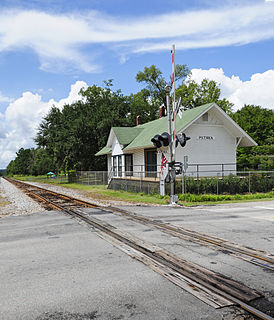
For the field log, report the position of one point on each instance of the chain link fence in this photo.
(195, 182)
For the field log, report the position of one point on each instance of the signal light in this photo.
(162, 140)
(165, 138)
(156, 141)
(182, 139)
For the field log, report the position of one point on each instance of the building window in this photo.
(205, 116)
(117, 166)
(129, 164)
(120, 166)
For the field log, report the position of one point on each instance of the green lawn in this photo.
(100, 192)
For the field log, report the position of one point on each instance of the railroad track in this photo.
(254, 256)
(212, 288)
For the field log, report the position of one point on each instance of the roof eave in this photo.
(249, 142)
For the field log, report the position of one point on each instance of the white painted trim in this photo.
(110, 138)
(200, 115)
(234, 123)
(207, 125)
(238, 141)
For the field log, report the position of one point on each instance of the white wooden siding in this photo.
(219, 150)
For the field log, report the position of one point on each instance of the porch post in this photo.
(123, 166)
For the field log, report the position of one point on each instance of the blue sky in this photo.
(50, 49)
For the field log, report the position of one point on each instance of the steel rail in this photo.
(143, 250)
(176, 231)
(203, 237)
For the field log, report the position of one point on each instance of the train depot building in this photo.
(211, 150)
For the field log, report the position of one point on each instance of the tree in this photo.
(74, 135)
(22, 163)
(43, 162)
(51, 136)
(194, 95)
(140, 105)
(257, 122)
(191, 93)
(11, 168)
(155, 82)
(259, 157)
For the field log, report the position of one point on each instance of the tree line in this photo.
(68, 139)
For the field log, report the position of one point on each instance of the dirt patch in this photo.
(3, 202)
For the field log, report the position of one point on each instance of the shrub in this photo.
(256, 182)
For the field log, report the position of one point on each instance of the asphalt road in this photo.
(52, 267)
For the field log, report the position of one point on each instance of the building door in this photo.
(129, 164)
(151, 162)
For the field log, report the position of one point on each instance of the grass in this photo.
(226, 198)
(100, 192)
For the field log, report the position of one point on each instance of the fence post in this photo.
(183, 182)
(217, 183)
(141, 177)
(185, 186)
(249, 181)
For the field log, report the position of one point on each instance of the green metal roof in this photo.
(138, 137)
(103, 151)
(159, 126)
(125, 135)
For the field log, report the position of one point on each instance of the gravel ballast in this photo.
(18, 202)
(22, 204)
(88, 196)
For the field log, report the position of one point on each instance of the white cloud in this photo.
(19, 123)
(4, 99)
(60, 40)
(258, 90)
(73, 94)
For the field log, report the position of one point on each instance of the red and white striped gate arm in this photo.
(173, 102)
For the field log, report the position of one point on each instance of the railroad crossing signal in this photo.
(182, 139)
(164, 140)
(161, 140)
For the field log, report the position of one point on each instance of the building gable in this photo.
(131, 138)
(161, 125)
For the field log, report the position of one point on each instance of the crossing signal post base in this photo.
(173, 200)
